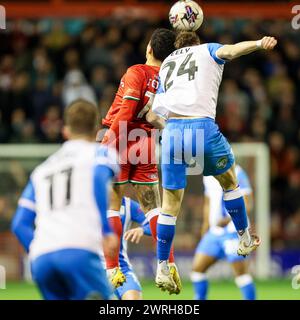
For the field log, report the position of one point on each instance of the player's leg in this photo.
(199, 279)
(131, 289)
(219, 162)
(49, 281)
(166, 225)
(144, 178)
(239, 265)
(112, 263)
(149, 198)
(173, 183)
(243, 279)
(84, 275)
(207, 253)
(235, 206)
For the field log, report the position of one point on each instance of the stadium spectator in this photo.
(75, 87)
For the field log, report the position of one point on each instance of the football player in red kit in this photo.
(131, 129)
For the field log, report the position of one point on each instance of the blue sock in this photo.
(247, 286)
(165, 234)
(200, 284)
(235, 206)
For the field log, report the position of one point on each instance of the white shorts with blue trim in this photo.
(220, 246)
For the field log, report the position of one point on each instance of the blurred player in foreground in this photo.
(219, 238)
(130, 212)
(190, 79)
(131, 130)
(61, 218)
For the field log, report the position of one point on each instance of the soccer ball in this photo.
(186, 15)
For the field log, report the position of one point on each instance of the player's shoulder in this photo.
(45, 165)
(137, 68)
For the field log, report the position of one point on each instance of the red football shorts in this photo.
(138, 162)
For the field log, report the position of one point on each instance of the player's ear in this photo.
(149, 49)
(66, 132)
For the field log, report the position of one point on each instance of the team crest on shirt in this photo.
(221, 163)
(153, 176)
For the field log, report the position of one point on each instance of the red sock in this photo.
(153, 225)
(116, 225)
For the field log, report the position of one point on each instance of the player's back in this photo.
(190, 79)
(139, 83)
(66, 211)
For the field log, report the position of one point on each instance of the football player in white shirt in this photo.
(220, 240)
(61, 219)
(189, 82)
(130, 212)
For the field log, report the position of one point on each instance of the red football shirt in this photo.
(133, 98)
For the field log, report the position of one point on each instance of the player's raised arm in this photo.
(232, 51)
(133, 88)
(23, 221)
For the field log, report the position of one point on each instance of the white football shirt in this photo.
(189, 82)
(67, 215)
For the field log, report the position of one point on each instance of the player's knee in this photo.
(148, 197)
(170, 209)
(228, 180)
(197, 266)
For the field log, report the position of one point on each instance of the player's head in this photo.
(161, 44)
(186, 39)
(81, 120)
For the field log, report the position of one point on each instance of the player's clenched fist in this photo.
(268, 43)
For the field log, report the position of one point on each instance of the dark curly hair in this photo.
(186, 39)
(162, 43)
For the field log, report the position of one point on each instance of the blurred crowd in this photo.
(48, 63)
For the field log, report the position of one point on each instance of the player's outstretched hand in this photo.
(111, 245)
(268, 43)
(134, 235)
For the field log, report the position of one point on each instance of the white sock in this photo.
(163, 266)
(244, 235)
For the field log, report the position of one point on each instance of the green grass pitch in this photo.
(222, 290)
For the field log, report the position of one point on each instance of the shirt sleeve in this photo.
(138, 216)
(102, 179)
(108, 157)
(23, 222)
(133, 91)
(134, 84)
(136, 213)
(212, 49)
(27, 199)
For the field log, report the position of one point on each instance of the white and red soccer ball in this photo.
(186, 15)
